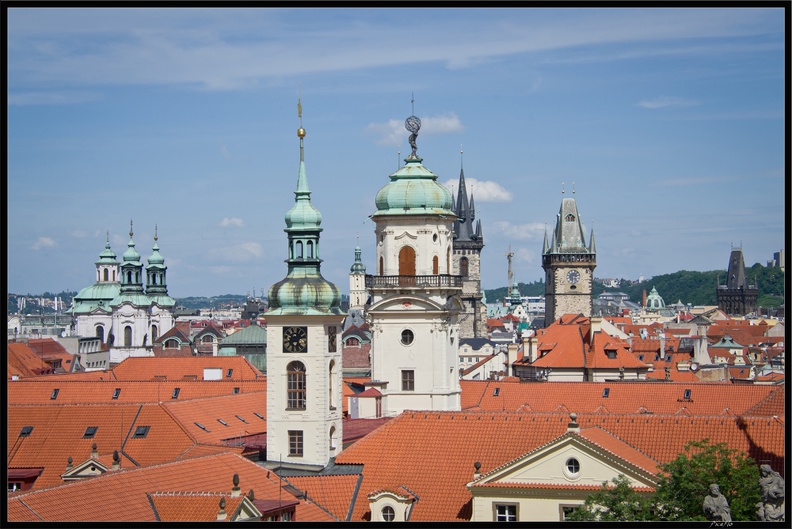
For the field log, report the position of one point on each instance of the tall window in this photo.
(295, 392)
(333, 438)
(435, 265)
(100, 332)
(105, 274)
(407, 261)
(295, 443)
(381, 268)
(330, 384)
(505, 513)
(299, 250)
(408, 380)
(309, 250)
(153, 333)
(463, 267)
(128, 336)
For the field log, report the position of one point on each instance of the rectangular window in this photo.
(116, 393)
(54, 394)
(25, 432)
(175, 394)
(408, 380)
(140, 432)
(236, 390)
(295, 443)
(605, 393)
(505, 513)
(90, 432)
(228, 374)
(565, 511)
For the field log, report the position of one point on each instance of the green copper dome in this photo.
(413, 190)
(357, 267)
(107, 256)
(131, 255)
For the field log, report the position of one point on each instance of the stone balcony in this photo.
(399, 282)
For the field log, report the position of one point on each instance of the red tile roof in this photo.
(192, 506)
(136, 368)
(123, 496)
(237, 413)
(707, 398)
(335, 493)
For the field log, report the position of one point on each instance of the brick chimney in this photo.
(643, 298)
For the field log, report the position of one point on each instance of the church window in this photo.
(296, 386)
(105, 274)
(295, 442)
(407, 337)
(128, 336)
(309, 250)
(100, 332)
(463, 267)
(435, 265)
(408, 380)
(333, 438)
(388, 514)
(381, 268)
(154, 331)
(299, 250)
(114, 275)
(331, 384)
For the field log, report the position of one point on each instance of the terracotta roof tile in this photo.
(334, 493)
(146, 368)
(192, 506)
(619, 448)
(236, 411)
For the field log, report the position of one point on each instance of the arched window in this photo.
(333, 438)
(105, 274)
(388, 514)
(295, 388)
(330, 386)
(407, 261)
(128, 336)
(129, 276)
(569, 218)
(435, 265)
(309, 250)
(114, 275)
(153, 333)
(299, 250)
(172, 344)
(207, 338)
(100, 332)
(463, 267)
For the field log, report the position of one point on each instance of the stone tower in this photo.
(569, 265)
(737, 297)
(304, 319)
(468, 242)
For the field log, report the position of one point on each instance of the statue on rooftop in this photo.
(716, 507)
(772, 485)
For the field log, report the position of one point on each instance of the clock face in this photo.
(295, 339)
(573, 276)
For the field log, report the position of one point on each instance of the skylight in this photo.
(221, 421)
(90, 432)
(116, 393)
(260, 416)
(687, 394)
(25, 432)
(236, 390)
(54, 394)
(228, 374)
(241, 419)
(605, 393)
(201, 426)
(140, 432)
(175, 393)
(496, 392)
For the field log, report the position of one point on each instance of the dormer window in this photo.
(687, 394)
(610, 353)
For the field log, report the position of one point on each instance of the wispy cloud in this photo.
(483, 190)
(43, 242)
(232, 221)
(666, 102)
(392, 131)
(531, 231)
(241, 253)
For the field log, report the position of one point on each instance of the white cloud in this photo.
(43, 242)
(532, 231)
(232, 221)
(666, 101)
(78, 234)
(241, 253)
(482, 190)
(393, 132)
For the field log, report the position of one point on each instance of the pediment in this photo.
(405, 303)
(553, 464)
(406, 234)
(86, 469)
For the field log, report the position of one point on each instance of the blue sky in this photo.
(670, 123)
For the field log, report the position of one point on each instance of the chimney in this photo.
(236, 491)
(221, 514)
(477, 472)
(116, 462)
(94, 451)
(643, 298)
(573, 426)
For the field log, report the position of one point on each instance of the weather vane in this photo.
(413, 124)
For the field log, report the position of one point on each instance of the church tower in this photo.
(161, 313)
(737, 297)
(357, 283)
(303, 352)
(468, 242)
(92, 304)
(569, 265)
(415, 295)
(130, 309)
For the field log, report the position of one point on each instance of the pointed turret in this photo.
(156, 284)
(131, 277)
(592, 246)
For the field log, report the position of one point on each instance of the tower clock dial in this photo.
(573, 276)
(295, 339)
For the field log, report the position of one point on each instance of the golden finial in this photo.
(301, 130)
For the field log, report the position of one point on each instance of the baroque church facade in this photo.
(117, 308)
(568, 262)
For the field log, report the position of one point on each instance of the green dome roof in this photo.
(95, 296)
(107, 256)
(413, 190)
(304, 296)
(357, 267)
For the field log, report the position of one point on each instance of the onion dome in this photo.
(357, 267)
(155, 258)
(303, 291)
(131, 255)
(107, 256)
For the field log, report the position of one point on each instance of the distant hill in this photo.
(697, 288)
(214, 302)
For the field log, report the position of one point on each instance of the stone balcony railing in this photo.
(430, 281)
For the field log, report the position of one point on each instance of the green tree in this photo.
(614, 503)
(685, 482)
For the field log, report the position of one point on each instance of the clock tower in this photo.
(569, 265)
(304, 319)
